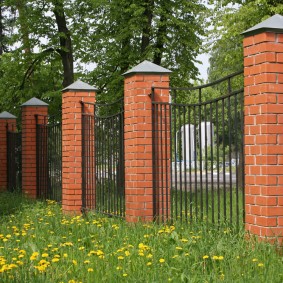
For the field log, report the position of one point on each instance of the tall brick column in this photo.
(138, 138)
(7, 122)
(72, 143)
(263, 71)
(30, 109)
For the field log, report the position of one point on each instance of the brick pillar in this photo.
(30, 109)
(72, 143)
(138, 138)
(263, 71)
(7, 122)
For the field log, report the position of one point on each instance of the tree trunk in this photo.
(66, 51)
(148, 15)
(159, 46)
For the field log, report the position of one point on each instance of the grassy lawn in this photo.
(40, 244)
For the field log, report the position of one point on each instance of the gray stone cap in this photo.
(79, 86)
(148, 67)
(274, 23)
(34, 102)
(7, 115)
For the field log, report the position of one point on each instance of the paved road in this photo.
(182, 177)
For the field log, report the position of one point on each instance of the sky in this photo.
(204, 66)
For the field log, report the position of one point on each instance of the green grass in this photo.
(40, 244)
(213, 206)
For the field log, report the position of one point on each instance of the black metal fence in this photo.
(49, 158)
(14, 160)
(103, 158)
(198, 152)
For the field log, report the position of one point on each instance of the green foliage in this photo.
(40, 244)
(229, 19)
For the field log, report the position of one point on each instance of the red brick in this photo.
(265, 37)
(266, 159)
(248, 41)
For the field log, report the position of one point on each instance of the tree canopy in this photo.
(46, 44)
(229, 19)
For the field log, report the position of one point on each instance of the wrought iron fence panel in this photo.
(14, 160)
(49, 159)
(198, 153)
(103, 158)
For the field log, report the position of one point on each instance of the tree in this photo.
(48, 36)
(230, 19)
(165, 32)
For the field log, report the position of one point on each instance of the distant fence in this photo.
(103, 158)
(14, 161)
(49, 158)
(201, 141)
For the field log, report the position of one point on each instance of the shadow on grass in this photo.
(11, 203)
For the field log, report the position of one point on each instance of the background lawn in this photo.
(40, 244)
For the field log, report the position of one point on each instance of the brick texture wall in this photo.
(29, 147)
(138, 143)
(72, 148)
(11, 124)
(263, 71)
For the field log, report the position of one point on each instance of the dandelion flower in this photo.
(260, 264)
(205, 257)
(162, 260)
(90, 270)
(149, 263)
(125, 274)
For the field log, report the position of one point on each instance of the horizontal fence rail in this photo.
(14, 160)
(198, 152)
(49, 158)
(103, 158)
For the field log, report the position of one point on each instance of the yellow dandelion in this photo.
(55, 259)
(125, 274)
(45, 255)
(120, 257)
(149, 263)
(255, 259)
(260, 264)
(179, 248)
(118, 267)
(87, 261)
(74, 262)
(90, 270)
(161, 260)
(205, 257)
